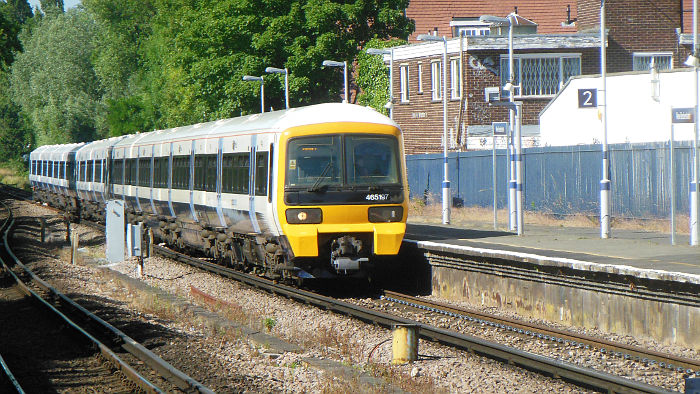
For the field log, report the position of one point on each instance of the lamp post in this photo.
(375, 51)
(694, 60)
(445, 179)
(510, 85)
(605, 181)
(344, 65)
(262, 89)
(275, 70)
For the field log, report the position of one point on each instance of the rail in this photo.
(578, 375)
(172, 374)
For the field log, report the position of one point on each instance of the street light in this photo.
(510, 88)
(605, 181)
(275, 70)
(262, 89)
(375, 51)
(445, 179)
(694, 61)
(344, 65)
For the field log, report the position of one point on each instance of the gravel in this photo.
(226, 361)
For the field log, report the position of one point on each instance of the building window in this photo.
(435, 80)
(420, 77)
(469, 27)
(642, 61)
(540, 74)
(455, 79)
(403, 83)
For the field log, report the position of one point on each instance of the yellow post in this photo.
(405, 344)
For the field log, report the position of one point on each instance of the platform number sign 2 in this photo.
(588, 98)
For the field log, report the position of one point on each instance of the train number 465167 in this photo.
(377, 197)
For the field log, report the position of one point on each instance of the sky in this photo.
(66, 3)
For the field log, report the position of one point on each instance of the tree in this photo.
(53, 79)
(200, 49)
(19, 10)
(372, 76)
(52, 7)
(123, 27)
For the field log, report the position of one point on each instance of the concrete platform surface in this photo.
(627, 252)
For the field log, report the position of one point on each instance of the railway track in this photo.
(516, 327)
(581, 376)
(107, 342)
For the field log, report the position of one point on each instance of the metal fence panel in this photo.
(564, 180)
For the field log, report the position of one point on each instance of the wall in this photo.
(633, 116)
(563, 179)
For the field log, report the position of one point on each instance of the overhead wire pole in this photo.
(445, 179)
(512, 185)
(694, 203)
(605, 181)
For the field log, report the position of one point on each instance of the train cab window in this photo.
(261, 173)
(235, 173)
(314, 162)
(371, 160)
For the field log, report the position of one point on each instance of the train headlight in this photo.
(385, 214)
(304, 215)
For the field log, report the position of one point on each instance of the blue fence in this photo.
(564, 180)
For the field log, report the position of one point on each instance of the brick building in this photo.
(566, 42)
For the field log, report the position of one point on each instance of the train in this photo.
(312, 192)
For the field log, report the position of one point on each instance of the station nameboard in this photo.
(682, 115)
(500, 128)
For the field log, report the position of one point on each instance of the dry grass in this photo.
(13, 177)
(482, 217)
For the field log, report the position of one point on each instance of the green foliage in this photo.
(269, 323)
(11, 19)
(127, 115)
(15, 135)
(53, 79)
(373, 76)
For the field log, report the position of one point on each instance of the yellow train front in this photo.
(342, 201)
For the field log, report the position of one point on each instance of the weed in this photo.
(269, 323)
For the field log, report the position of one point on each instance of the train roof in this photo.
(97, 149)
(273, 122)
(54, 152)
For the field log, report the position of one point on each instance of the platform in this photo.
(638, 253)
(634, 283)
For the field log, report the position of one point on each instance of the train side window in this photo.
(134, 173)
(143, 172)
(82, 171)
(156, 172)
(211, 174)
(164, 172)
(200, 166)
(98, 171)
(89, 169)
(226, 173)
(261, 173)
(71, 171)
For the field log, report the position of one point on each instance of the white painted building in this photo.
(633, 114)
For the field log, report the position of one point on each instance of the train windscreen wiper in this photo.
(315, 188)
